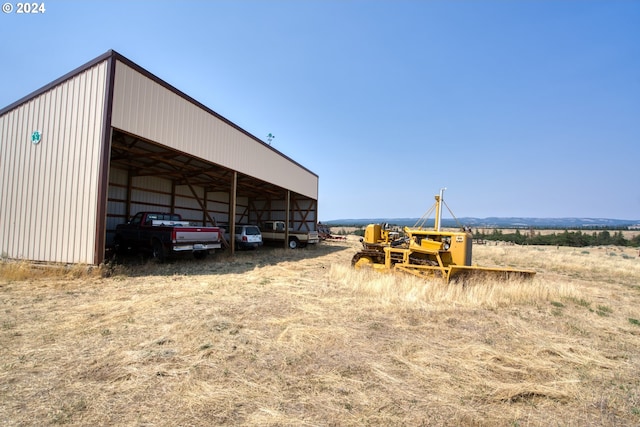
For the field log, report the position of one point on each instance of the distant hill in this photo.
(495, 222)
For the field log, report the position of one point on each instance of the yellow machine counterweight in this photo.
(426, 252)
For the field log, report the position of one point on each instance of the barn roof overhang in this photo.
(145, 158)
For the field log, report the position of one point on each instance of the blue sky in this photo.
(519, 108)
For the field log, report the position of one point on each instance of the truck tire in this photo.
(294, 243)
(157, 251)
(118, 246)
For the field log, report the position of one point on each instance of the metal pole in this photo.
(439, 210)
(232, 212)
(286, 221)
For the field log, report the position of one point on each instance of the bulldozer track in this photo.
(376, 256)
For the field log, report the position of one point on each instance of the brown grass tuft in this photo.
(18, 270)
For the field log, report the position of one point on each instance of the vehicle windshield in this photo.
(252, 231)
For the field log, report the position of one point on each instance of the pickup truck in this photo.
(165, 234)
(273, 231)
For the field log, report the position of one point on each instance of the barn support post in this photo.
(286, 219)
(232, 212)
(206, 204)
(173, 196)
(99, 250)
(129, 186)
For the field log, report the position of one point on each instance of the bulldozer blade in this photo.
(459, 273)
(462, 272)
(424, 271)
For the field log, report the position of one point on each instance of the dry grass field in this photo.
(297, 338)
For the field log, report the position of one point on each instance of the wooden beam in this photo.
(200, 202)
(286, 221)
(129, 187)
(173, 196)
(232, 211)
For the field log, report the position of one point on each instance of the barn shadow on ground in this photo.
(221, 262)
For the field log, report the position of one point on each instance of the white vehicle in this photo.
(273, 231)
(247, 237)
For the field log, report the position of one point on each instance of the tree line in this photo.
(565, 238)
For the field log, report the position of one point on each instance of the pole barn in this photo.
(109, 139)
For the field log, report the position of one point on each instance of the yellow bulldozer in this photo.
(426, 252)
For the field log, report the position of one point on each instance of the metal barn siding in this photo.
(146, 108)
(49, 190)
